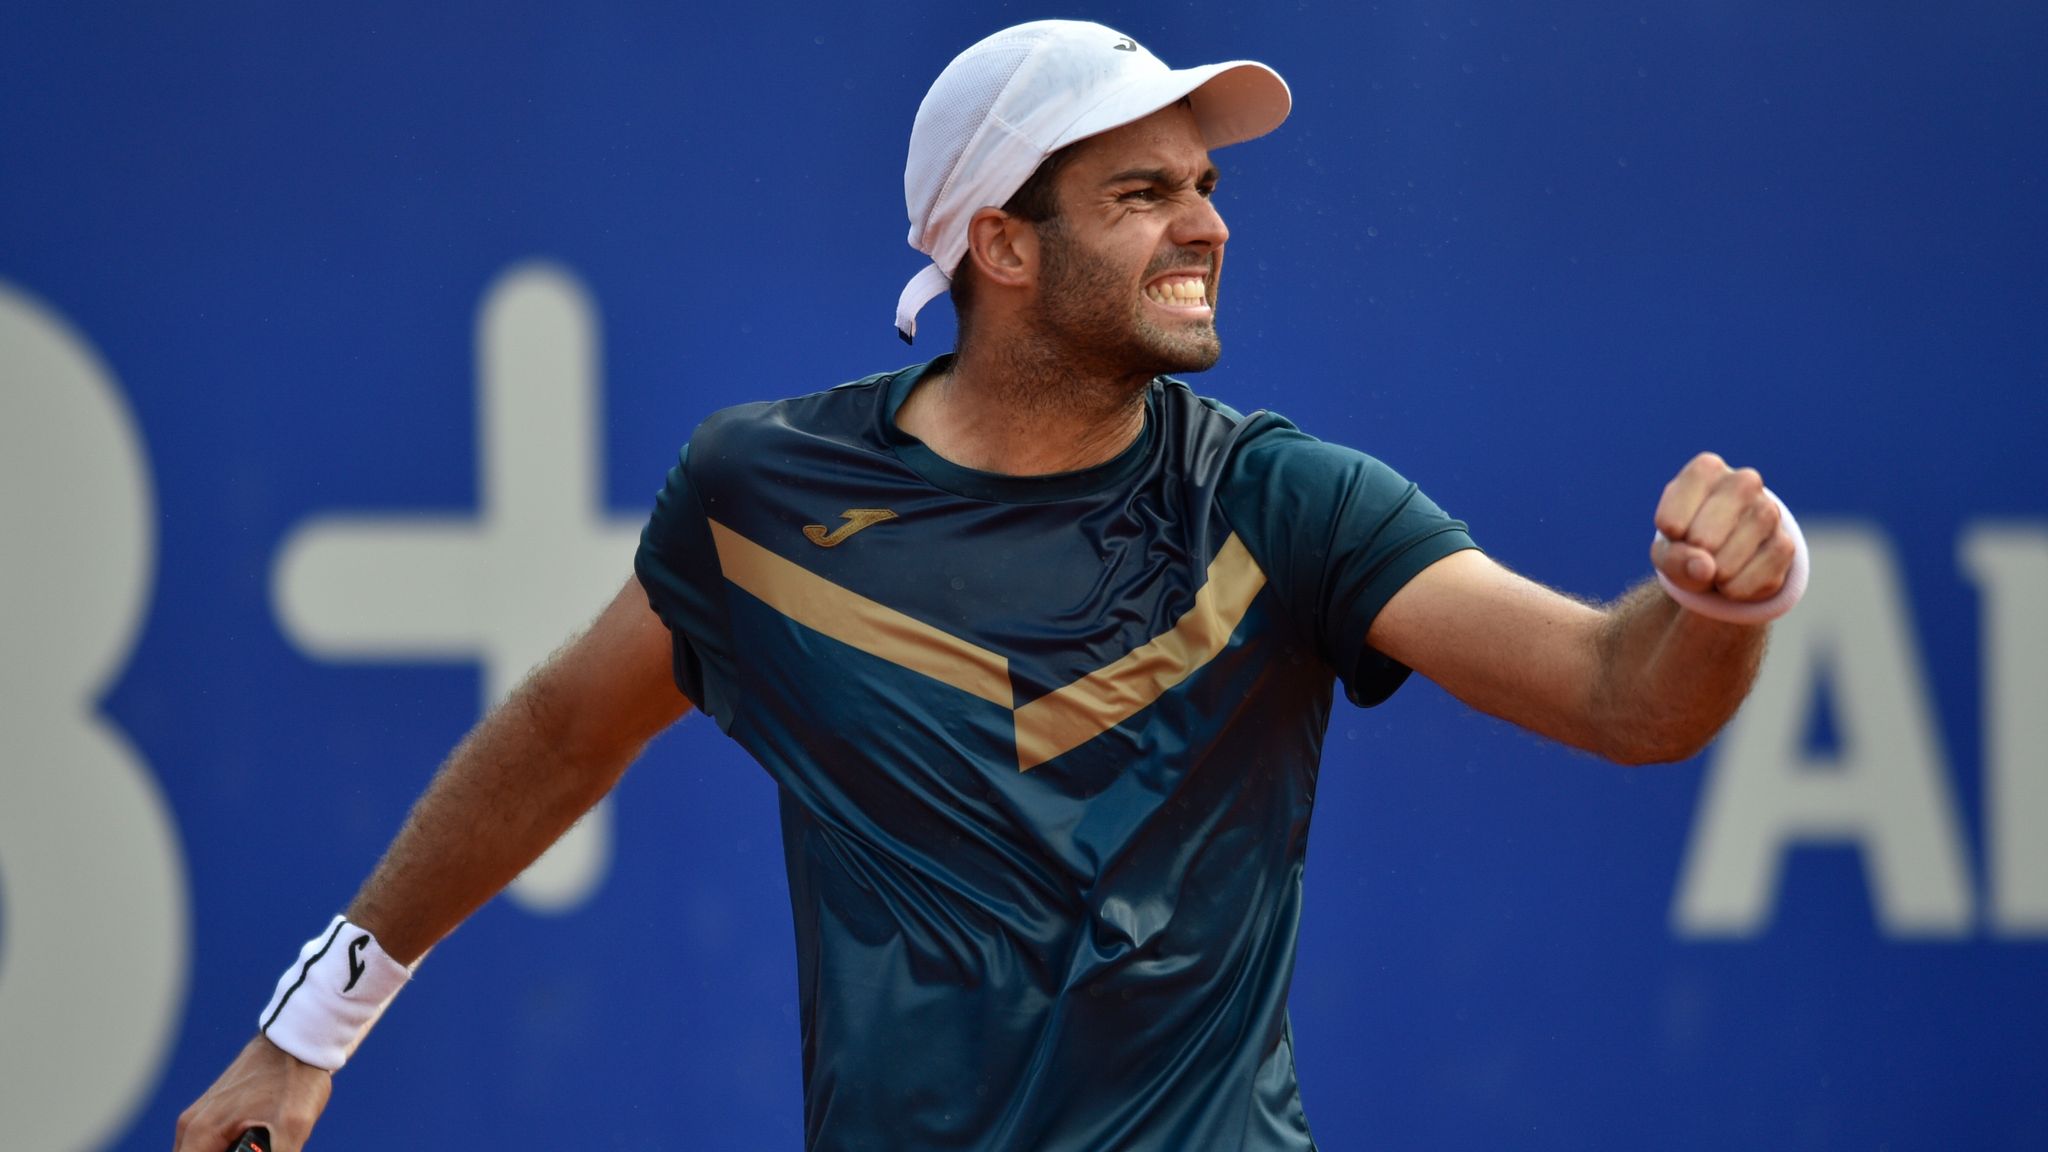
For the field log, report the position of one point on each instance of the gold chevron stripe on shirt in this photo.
(1057, 723)
(853, 619)
(1049, 726)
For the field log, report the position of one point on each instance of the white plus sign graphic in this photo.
(505, 587)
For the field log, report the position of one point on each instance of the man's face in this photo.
(1128, 267)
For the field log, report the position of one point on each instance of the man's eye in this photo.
(1205, 190)
(1146, 194)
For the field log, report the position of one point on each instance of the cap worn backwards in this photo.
(1005, 104)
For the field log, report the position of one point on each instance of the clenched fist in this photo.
(1721, 533)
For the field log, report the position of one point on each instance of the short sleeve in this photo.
(1337, 533)
(678, 567)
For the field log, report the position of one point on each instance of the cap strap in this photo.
(916, 294)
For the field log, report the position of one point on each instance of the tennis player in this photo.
(1039, 647)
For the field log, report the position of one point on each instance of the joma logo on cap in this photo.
(1125, 44)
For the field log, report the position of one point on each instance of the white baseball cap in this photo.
(1004, 105)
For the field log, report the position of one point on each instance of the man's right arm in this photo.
(523, 775)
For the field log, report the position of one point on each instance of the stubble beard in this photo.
(1088, 308)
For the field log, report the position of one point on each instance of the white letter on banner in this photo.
(96, 940)
(1885, 791)
(2009, 564)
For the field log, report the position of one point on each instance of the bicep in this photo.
(1499, 642)
(615, 684)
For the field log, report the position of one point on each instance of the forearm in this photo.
(507, 792)
(525, 774)
(1668, 679)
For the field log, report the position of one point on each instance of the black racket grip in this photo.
(253, 1140)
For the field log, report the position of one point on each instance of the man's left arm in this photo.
(1640, 680)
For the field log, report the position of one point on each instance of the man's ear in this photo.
(1004, 248)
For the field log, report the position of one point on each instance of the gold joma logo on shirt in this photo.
(856, 519)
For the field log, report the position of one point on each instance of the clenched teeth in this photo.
(1178, 292)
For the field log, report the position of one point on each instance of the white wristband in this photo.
(1718, 607)
(326, 1002)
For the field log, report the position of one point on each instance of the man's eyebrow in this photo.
(1157, 176)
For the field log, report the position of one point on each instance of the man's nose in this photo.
(1202, 226)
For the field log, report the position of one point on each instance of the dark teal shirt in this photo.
(1046, 749)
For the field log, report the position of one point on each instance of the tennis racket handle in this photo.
(253, 1140)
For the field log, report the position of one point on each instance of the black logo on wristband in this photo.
(356, 967)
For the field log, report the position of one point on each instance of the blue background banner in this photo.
(340, 359)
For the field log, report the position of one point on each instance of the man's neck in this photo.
(1011, 412)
